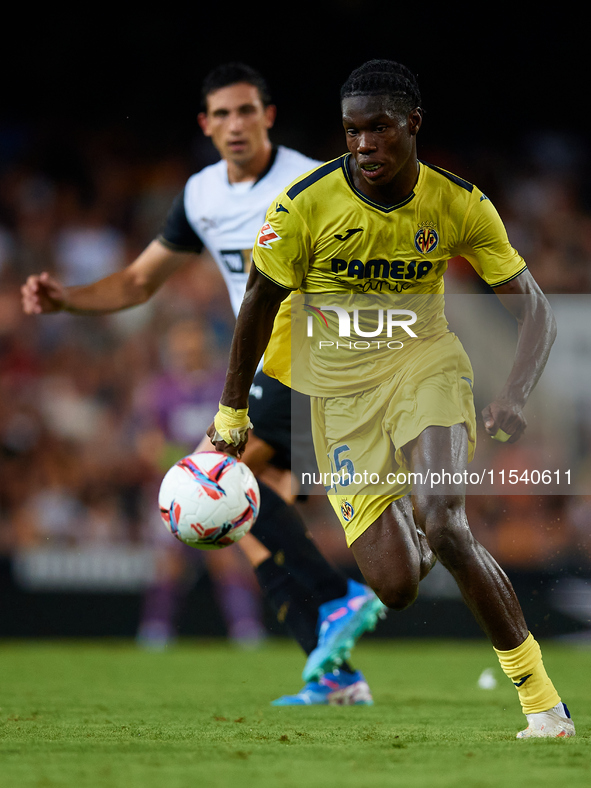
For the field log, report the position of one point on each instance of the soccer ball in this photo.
(209, 500)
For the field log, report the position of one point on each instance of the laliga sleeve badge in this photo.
(267, 236)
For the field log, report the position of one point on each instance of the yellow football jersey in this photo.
(323, 237)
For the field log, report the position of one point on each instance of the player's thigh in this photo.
(353, 449)
(434, 391)
(438, 456)
(388, 555)
(355, 458)
(439, 459)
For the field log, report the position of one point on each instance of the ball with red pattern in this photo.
(209, 500)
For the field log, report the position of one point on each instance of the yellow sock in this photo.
(526, 670)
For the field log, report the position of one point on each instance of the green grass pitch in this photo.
(94, 714)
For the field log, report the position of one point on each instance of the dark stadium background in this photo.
(102, 108)
(492, 79)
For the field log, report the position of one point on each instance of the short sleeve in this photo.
(486, 246)
(176, 233)
(282, 249)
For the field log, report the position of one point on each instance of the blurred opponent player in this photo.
(222, 208)
(388, 224)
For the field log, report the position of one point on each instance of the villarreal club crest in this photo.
(426, 238)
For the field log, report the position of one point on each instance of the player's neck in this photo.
(395, 191)
(249, 171)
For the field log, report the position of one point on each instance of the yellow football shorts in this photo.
(359, 439)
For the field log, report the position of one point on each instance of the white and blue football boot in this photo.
(555, 723)
(340, 623)
(333, 689)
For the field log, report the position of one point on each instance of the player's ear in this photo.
(203, 122)
(414, 120)
(270, 115)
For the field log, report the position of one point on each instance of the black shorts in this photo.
(273, 408)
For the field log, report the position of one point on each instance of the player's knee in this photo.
(432, 511)
(443, 519)
(398, 593)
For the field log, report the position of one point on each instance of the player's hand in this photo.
(504, 421)
(226, 448)
(229, 431)
(42, 294)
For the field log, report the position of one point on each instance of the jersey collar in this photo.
(270, 163)
(263, 173)
(380, 206)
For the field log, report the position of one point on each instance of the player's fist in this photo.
(41, 294)
(229, 431)
(221, 445)
(504, 421)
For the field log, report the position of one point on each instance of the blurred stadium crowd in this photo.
(94, 410)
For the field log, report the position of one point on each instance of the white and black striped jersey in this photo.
(225, 218)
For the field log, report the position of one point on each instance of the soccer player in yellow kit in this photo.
(222, 208)
(378, 220)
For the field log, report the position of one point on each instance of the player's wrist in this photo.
(67, 298)
(231, 425)
(511, 401)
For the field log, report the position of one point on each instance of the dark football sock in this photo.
(292, 605)
(281, 530)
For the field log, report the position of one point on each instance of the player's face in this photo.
(237, 122)
(382, 142)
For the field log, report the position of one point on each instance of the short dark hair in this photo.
(384, 78)
(230, 74)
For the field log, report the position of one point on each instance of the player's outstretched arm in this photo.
(252, 332)
(525, 300)
(133, 285)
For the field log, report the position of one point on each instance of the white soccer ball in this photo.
(209, 500)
